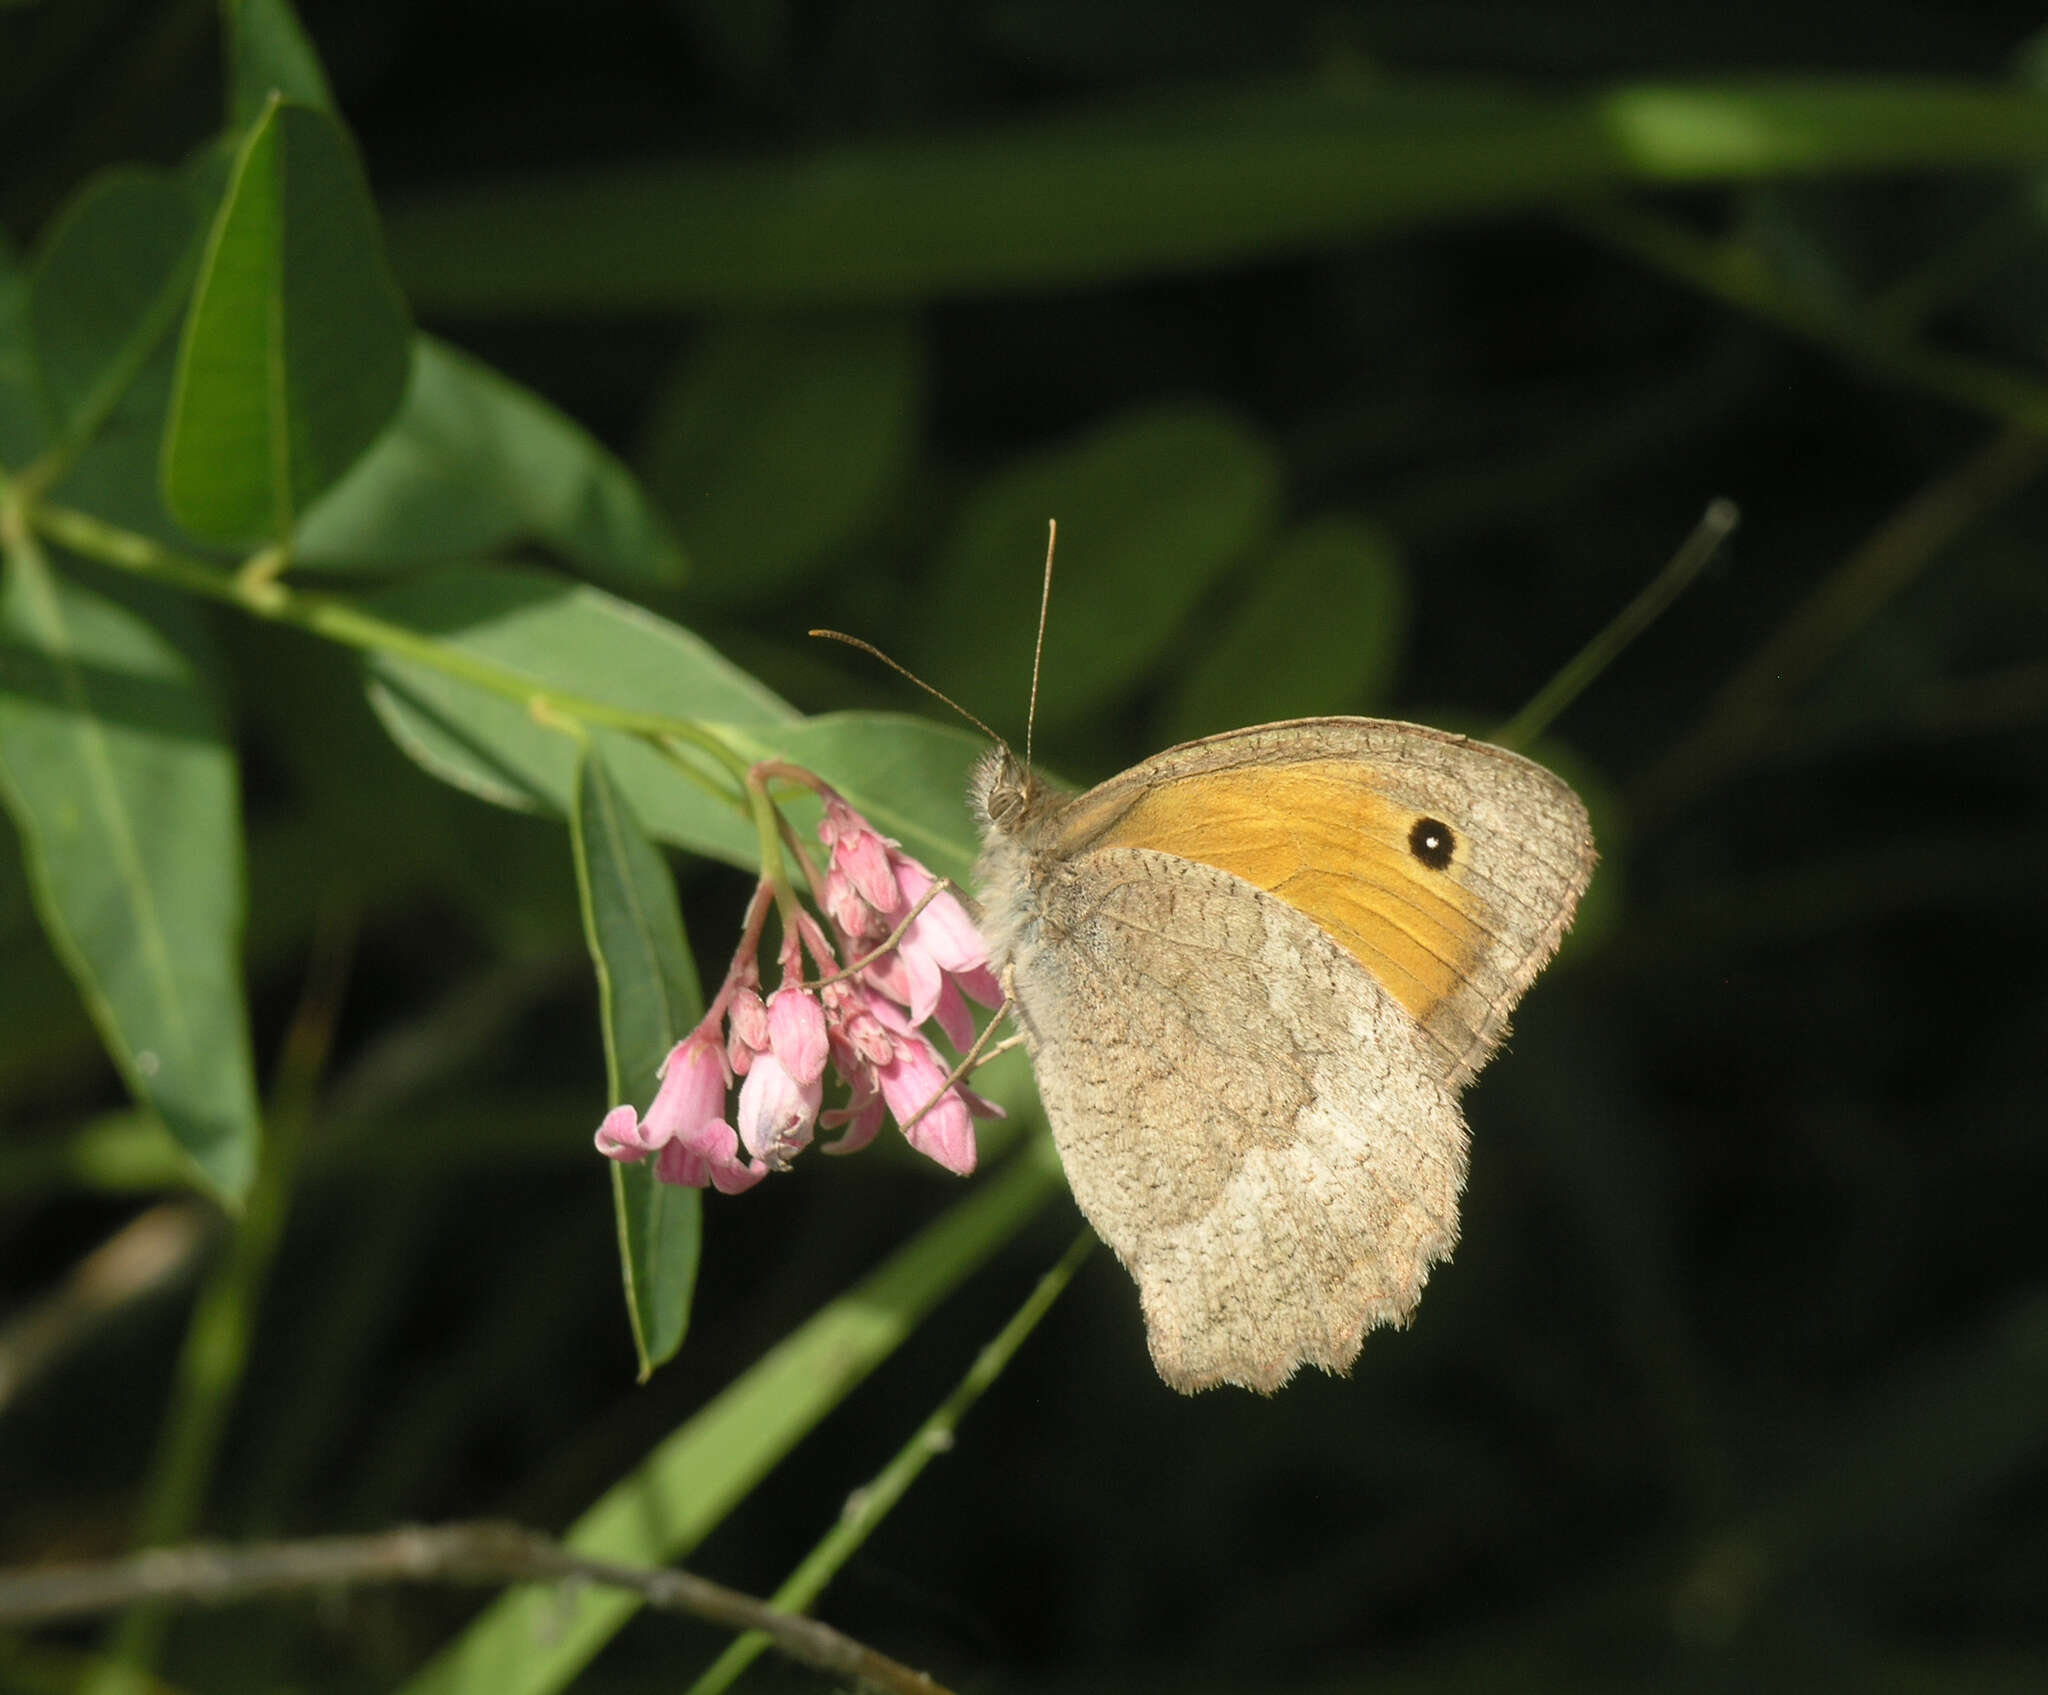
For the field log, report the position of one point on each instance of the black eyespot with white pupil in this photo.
(1431, 842)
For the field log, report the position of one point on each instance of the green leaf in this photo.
(1331, 596)
(296, 348)
(907, 775)
(473, 463)
(111, 279)
(647, 989)
(781, 438)
(535, 1639)
(1157, 186)
(561, 637)
(268, 53)
(120, 779)
(1151, 509)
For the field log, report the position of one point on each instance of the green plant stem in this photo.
(870, 1505)
(1632, 620)
(343, 622)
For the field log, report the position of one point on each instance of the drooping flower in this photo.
(711, 1154)
(907, 954)
(693, 1085)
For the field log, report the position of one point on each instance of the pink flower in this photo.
(862, 1118)
(710, 1155)
(619, 1137)
(685, 1128)
(872, 887)
(863, 1025)
(777, 1112)
(860, 889)
(693, 1085)
(890, 1063)
(911, 1082)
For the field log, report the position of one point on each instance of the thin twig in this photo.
(480, 1553)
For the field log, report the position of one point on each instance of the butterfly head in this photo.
(1004, 792)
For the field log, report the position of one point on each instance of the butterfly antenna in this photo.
(1052, 537)
(905, 671)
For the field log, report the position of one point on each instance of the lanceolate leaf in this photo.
(647, 984)
(119, 777)
(577, 640)
(296, 348)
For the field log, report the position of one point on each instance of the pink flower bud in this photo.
(856, 920)
(796, 1033)
(776, 1111)
(860, 855)
(746, 1030)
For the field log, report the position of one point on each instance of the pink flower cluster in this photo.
(906, 954)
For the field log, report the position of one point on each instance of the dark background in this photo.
(1739, 1378)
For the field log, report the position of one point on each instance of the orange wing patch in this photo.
(1321, 836)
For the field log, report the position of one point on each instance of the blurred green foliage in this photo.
(1370, 357)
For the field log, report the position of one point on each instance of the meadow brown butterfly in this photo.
(1254, 973)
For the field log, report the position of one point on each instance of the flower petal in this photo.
(796, 1033)
(693, 1085)
(618, 1137)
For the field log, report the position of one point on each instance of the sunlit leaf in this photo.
(295, 351)
(649, 998)
(545, 634)
(124, 788)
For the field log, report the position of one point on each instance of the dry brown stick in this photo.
(1749, 706)
(483, 1552)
